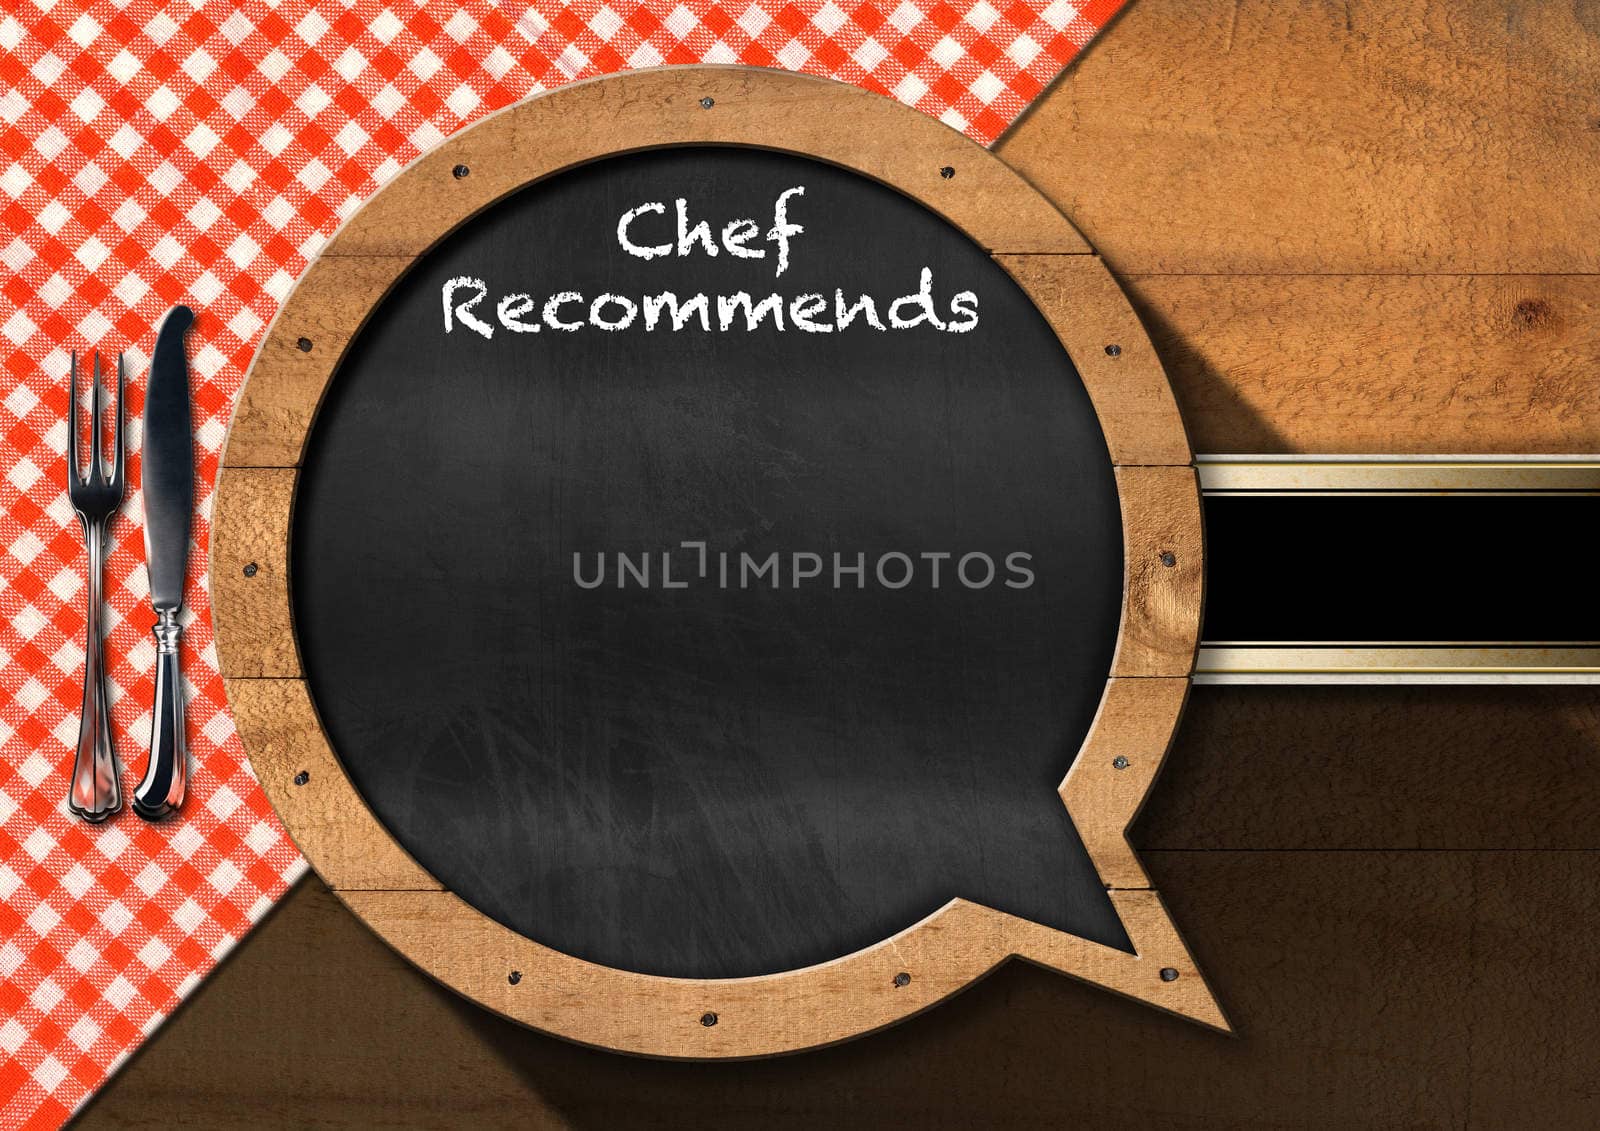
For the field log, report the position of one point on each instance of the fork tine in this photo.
(97, 467)
(73, 476)
(117, 455)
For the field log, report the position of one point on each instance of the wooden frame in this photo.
(676, 1017)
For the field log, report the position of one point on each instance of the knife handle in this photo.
(161, 792)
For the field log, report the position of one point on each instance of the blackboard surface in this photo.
(688, 774)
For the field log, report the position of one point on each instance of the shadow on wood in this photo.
(1432, 971)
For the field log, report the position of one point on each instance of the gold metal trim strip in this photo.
(1376, 662)
(1240, 663)
(1319, 474)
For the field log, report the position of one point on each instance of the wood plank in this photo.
(1161, 535)
(1112, 775)
(710, 105)
(756, 1017)
(1335, 143)
(1385, 988)
(1536, 1066)
(1552, 58)
(318, 804)
(249, 570)
(1314, 136)
(303, 345)
(1380, 364)
(1345, 768)
(1112, 352)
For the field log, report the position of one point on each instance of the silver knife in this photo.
(168, 461)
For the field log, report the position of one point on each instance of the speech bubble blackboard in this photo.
(633, 640)
(553, 651)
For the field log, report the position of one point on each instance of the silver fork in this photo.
(95, 792)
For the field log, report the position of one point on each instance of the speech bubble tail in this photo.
(1160, 971)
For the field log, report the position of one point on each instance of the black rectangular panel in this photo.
(1401, 568)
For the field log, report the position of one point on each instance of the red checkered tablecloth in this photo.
(204, 153)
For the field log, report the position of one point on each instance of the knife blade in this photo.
(167, 456)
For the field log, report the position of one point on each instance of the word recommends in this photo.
(645, 233)
(930, 569)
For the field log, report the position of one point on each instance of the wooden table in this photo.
(1352, 227)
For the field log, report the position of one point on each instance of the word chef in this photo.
(736, 234)
(646, 232)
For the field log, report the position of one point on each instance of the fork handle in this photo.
(95, 793)
(166, 777)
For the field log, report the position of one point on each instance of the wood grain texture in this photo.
(1112, 353)
(1304, 136)
(667, 1017)
(324, 312)
(1416, 989)
(1379, 213)
(1530, 978)
(1116, 768)
(1161, 522)
(1392, 364)
(1405, 768)
(308, 788)
(250, 528)
(771, 109)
